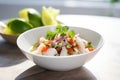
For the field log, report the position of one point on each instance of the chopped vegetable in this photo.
(90, 49)
(45, 48)
(71, 33)
(50, 35)
(71, 41)
(70, 50)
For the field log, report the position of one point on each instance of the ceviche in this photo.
(61, 42)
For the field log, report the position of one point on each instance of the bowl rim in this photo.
(101, 43)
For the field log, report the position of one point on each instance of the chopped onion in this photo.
(59, 40)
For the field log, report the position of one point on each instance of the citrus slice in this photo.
(48, 16)
(18, 26)
(54, 12)
(32, 16)
(24, 14)
(8, 31)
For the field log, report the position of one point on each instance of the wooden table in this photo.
(104, 66)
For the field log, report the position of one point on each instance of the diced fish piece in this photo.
(51, 52)
(63, 52)
(80, 44)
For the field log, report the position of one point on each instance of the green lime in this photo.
(49, 16)
(35, 19)
(24, 14)
(9, 31)
(54, 12)
(32, 16)
(18, 25)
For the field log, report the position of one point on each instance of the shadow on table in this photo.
(37, 73)
(10, 54)
(29, 72)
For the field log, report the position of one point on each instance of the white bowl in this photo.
(58, 63)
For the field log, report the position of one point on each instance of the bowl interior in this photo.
(28, 38)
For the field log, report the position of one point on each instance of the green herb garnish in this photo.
(89, 45)
(62, 30)
(71, 33)
(50, 35)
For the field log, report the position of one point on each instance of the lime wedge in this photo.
(35, 19)
(24, 14)
(32, 16)
(54, 12)
(8, 31)
(49, 16)
(18, 26)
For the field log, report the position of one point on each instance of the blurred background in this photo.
(10, 8)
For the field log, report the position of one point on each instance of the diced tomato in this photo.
(90, 49)
(71, 42)
(70, 50)
(45, 48)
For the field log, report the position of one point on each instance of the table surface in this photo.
(104, 66)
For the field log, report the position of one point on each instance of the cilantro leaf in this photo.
(50, 35)
(62, 30)
(71, 33)
(65, 29)
(58, 28)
